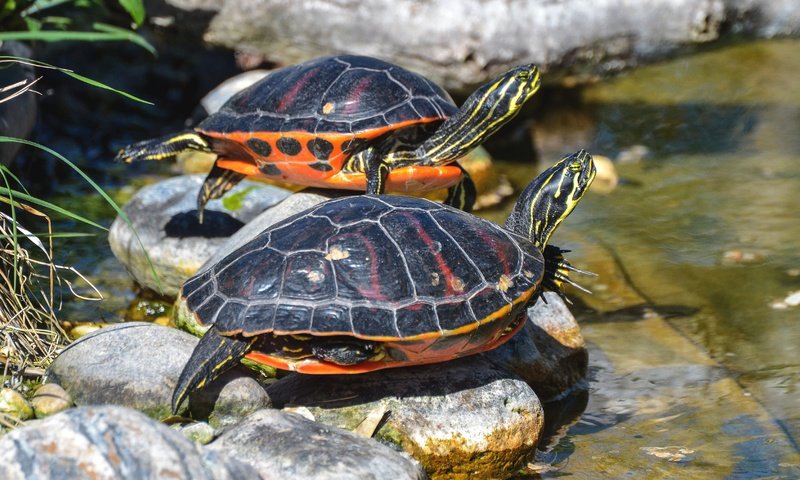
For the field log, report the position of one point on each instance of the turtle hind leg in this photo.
(218, 181)
(162, 148)
(213, 356)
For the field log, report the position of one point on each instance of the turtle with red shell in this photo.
(348, 122)
(367, 282)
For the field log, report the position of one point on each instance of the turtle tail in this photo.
(163, 148)
(213, 356)
(557, 270)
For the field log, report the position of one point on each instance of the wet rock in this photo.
(464, 43)
(286, 445)
(50, 399)
(198, 432)
(137, 365)
(14, 404)
(108, 442)
(466, 417)
(549, 352)
(164, 216)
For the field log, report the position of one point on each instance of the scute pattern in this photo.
(375, 267)
(342, 94)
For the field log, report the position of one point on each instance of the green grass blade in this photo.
(104, 34)
(109, 200)
(135, 9)
(76, 76)
(14, 195)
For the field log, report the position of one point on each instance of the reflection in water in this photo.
(708, 222)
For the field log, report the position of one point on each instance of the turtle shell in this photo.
(426, 281)
(304, 121)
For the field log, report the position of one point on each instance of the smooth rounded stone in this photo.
(286, 445)
(50, 399)
(463, 43)
(137, 365)
(165, 218)
(464, 417)
(14, 404)
(198, 432)
(549, 353)
(108, 442)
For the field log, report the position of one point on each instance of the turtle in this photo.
(347, 122)
(367, 282)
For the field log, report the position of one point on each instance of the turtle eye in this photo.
(522, 76)
(575, 167)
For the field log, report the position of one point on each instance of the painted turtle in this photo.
(368, 282)
(348, 122)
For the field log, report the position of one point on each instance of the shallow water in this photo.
(703, 380)
(710, 220)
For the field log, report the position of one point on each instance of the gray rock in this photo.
(108, 442)
(286, 445)
(137, 365)
(164, 216)
(549, 353)
(463, 43)
(464, 417)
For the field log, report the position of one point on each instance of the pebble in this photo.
(50, 399)
(14, 404)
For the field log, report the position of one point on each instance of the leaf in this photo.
(135, 9)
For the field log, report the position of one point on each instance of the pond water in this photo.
(695, 362)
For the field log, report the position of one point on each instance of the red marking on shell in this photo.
(353, 102)
(289, 97)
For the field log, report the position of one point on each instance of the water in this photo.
(709, 221)
(694, 370)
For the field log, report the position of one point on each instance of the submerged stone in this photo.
(459, 418)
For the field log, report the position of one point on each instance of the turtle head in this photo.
(544, 204)
(483, 113)
(498, 101)
(551, 197)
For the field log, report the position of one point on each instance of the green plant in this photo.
(72, 20)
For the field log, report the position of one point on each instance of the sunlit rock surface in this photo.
(285, 445)
(109, 442)
(164, 216)
(465, 43)
(137, 365)
(465, 417)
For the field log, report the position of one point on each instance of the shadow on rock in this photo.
(215, 225)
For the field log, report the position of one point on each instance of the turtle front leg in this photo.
(376, 171)
(462, 195)
(217, 183)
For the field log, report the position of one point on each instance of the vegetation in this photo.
(31, 280)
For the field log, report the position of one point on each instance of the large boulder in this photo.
(463, 43)
(465, 417)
